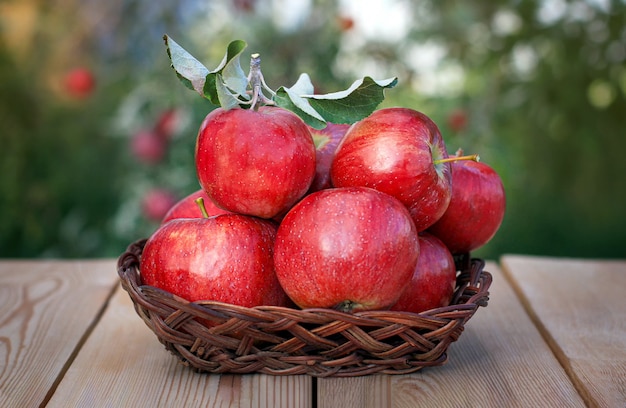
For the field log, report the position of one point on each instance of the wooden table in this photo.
(553, 335)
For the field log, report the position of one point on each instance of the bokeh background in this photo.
(97, 133)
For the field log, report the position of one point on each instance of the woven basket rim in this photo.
(319, 342)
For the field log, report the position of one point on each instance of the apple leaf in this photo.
(291, 99)
(348, 106)
(189, 70)
(223, 86)
(228, 86)
(227, 83)
(223, 95)
(353, 104)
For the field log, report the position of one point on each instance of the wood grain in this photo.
(579, 305)
(552, 335)
(124, 365)
(500, 360)
(45, 311)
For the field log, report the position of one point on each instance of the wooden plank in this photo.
(124, 365)
(500, 360)
(579, 307)
(46, 308)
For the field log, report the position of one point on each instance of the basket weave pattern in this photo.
(318, 342)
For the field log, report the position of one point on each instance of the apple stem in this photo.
(257, 83)
(473, 157)
(200, 202)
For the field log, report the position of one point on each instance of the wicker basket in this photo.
(318, 342)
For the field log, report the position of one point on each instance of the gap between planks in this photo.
(79, 345)
(558, 352)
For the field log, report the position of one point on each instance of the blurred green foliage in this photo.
(537, 88)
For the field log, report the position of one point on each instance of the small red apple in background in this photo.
(326, 142)
(188, 207)
(345, 23)
(246, 6)
(148, 147)
(434, 278)
(398, 151)
(255, 162)
(350, 248)
(457, 120)
(157, 202)
(79, 82)
(226, 258)
(476, 209)
(166, 123)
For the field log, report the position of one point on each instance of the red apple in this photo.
(79, 82)
(457, 120)
(187, 207)
(434, 278)
(476, 208)
(226, 258)
(157, 202)
(350, 248)
(397, 151)
(326, 142)
(346, 23)
(148, 147)
(167, 123)
(246, 6)
(255, 162)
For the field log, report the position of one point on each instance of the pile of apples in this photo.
(355, 217)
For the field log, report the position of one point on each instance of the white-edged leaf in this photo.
(190, 71)
(223, 85)
(353, 104)
(227, 78)
(384, 83)
(227, 86)
(302, 85)
(227, 99)
(291, 99)
(233, 75)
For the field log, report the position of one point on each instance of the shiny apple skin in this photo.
(434, 278)
(326, 142)
(393, 150)
(255, 162)
(187, 207)
(476, 208)
(226, 258)
(350, 249)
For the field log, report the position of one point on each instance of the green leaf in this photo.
(349, 106)
(233, 74)
(291, 99)
(226, 99)
(188, 69)
(353, 104)
(226, 85)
